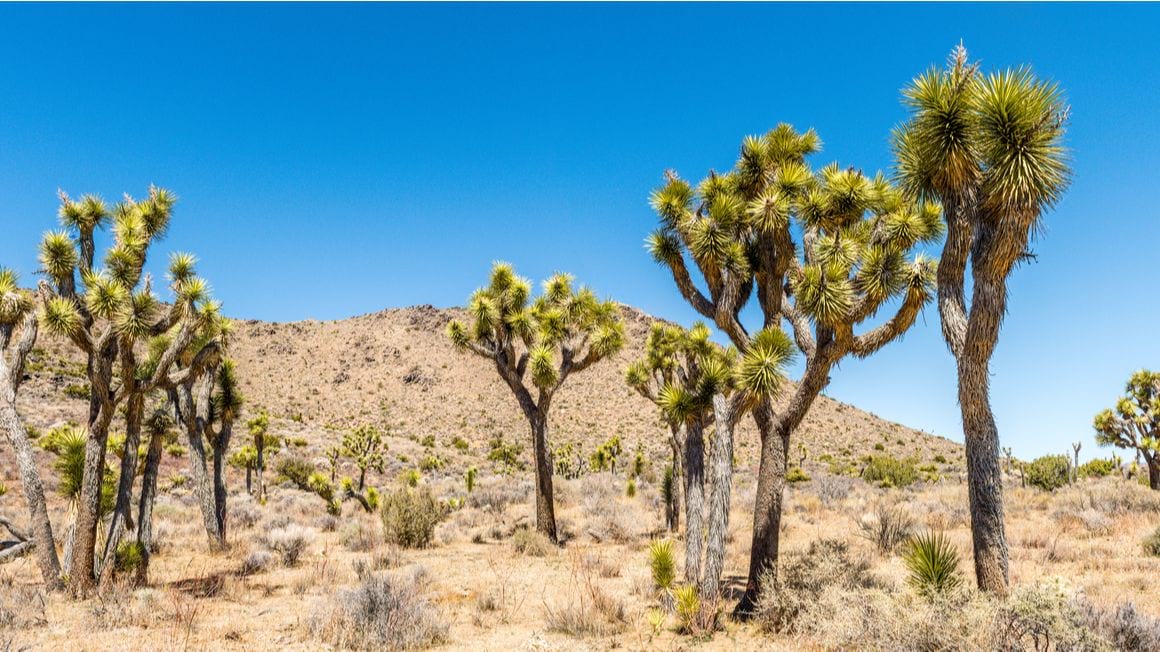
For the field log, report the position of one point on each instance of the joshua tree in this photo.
(364, 445)
(670, 376)
(1075, 467)
(265, 445)
(17, 311)
(104, 315)
(157, 426)
(990, 149)
(246, 459)
(736, 229)
(536, 345)
(1135, 422)
(1009, 455)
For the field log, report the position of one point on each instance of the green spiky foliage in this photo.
(105, 307)
(822, 251)
(536, 344)
(933, 563)
(1134, 424)
(989, 148)
(364, 446)
(264, 444)
(662, 564)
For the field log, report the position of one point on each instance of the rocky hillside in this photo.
(395, 368)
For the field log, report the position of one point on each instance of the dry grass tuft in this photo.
(383, 611)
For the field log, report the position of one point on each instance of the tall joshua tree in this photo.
(17, 311)
(536, 345)
(104, 315)
(990, 149)
(856, 235)
(1135, 422)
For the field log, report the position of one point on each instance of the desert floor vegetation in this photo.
(1081, 567)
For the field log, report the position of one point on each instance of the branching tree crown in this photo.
(1134, 424)
(545, 340)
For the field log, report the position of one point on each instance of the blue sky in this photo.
(336, 160)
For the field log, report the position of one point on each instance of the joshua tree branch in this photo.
(23, 348)
(689, 289)
(951, 271)
(873, 340)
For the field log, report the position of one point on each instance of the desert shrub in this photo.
(886, 527)
(662, 564)
(431, 463)
(1049, 472)
(526, 541)
(590, 611)
(1124, 628)
(77, 391)
(607, 517)
(887, 471)
(933, 563)
(1096, 468)
(295, 470)
(244, 512)
(175, 450)
(1151, 543)
(569, 460)
(796, 474)
(939, 459)
(357, 537)
(630, 488)
(469, 478)
(428, 441)
(496, 497)
(804, 576)
(832, 489)
(505, 453)
(1045, 614)
(1090, 520)
(258, 561)
(1110, 496)
(409, 517)
(460, 444)
(383, 611)
(289, 542)
(411, 477)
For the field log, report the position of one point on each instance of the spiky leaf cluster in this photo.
(857, 231)
(996, 137)
(14, 301)
(1135, 421)
(364, 445)
(564, 329)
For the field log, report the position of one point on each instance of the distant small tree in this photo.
(1075, 467)
(1049, 472)
(536, 345)
(364, 445)
(264, 445)
(1135, 422)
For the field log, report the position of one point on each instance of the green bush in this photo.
(1097, 468)
(933, 563)
(796, 474)
(431, 463)
(940, 459)
(460, 443)
(295, 469)
(1049, 472)
(1152, 543)
(505, 453)
(77, 391)
(888, 471)
(630, 490)
(469, 478)
(410, 517)
(428, 441)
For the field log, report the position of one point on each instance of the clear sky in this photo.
(336, 160)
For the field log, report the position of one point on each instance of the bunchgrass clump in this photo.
(886, 527)
(290, 542)
(1151, 543)
(529, 542)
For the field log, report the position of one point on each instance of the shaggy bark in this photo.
(694, 480)
(186, 412)
(122, 517)
(721, 484)
(545, 505)
(11, 375)
(145, 509)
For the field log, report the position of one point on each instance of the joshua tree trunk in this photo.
(45, 545)
(198, 467)
(122, 517)
(984, 479)
(221, 445)
(260, 467)
(775, 439)
(673, 509)
(694, 480)
(82, 570)
(1153, 471)
(545, 507)
(145, 511)
(721, 474)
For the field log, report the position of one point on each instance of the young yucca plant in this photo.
(688, 605)
(933, 563)
(662, 564)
